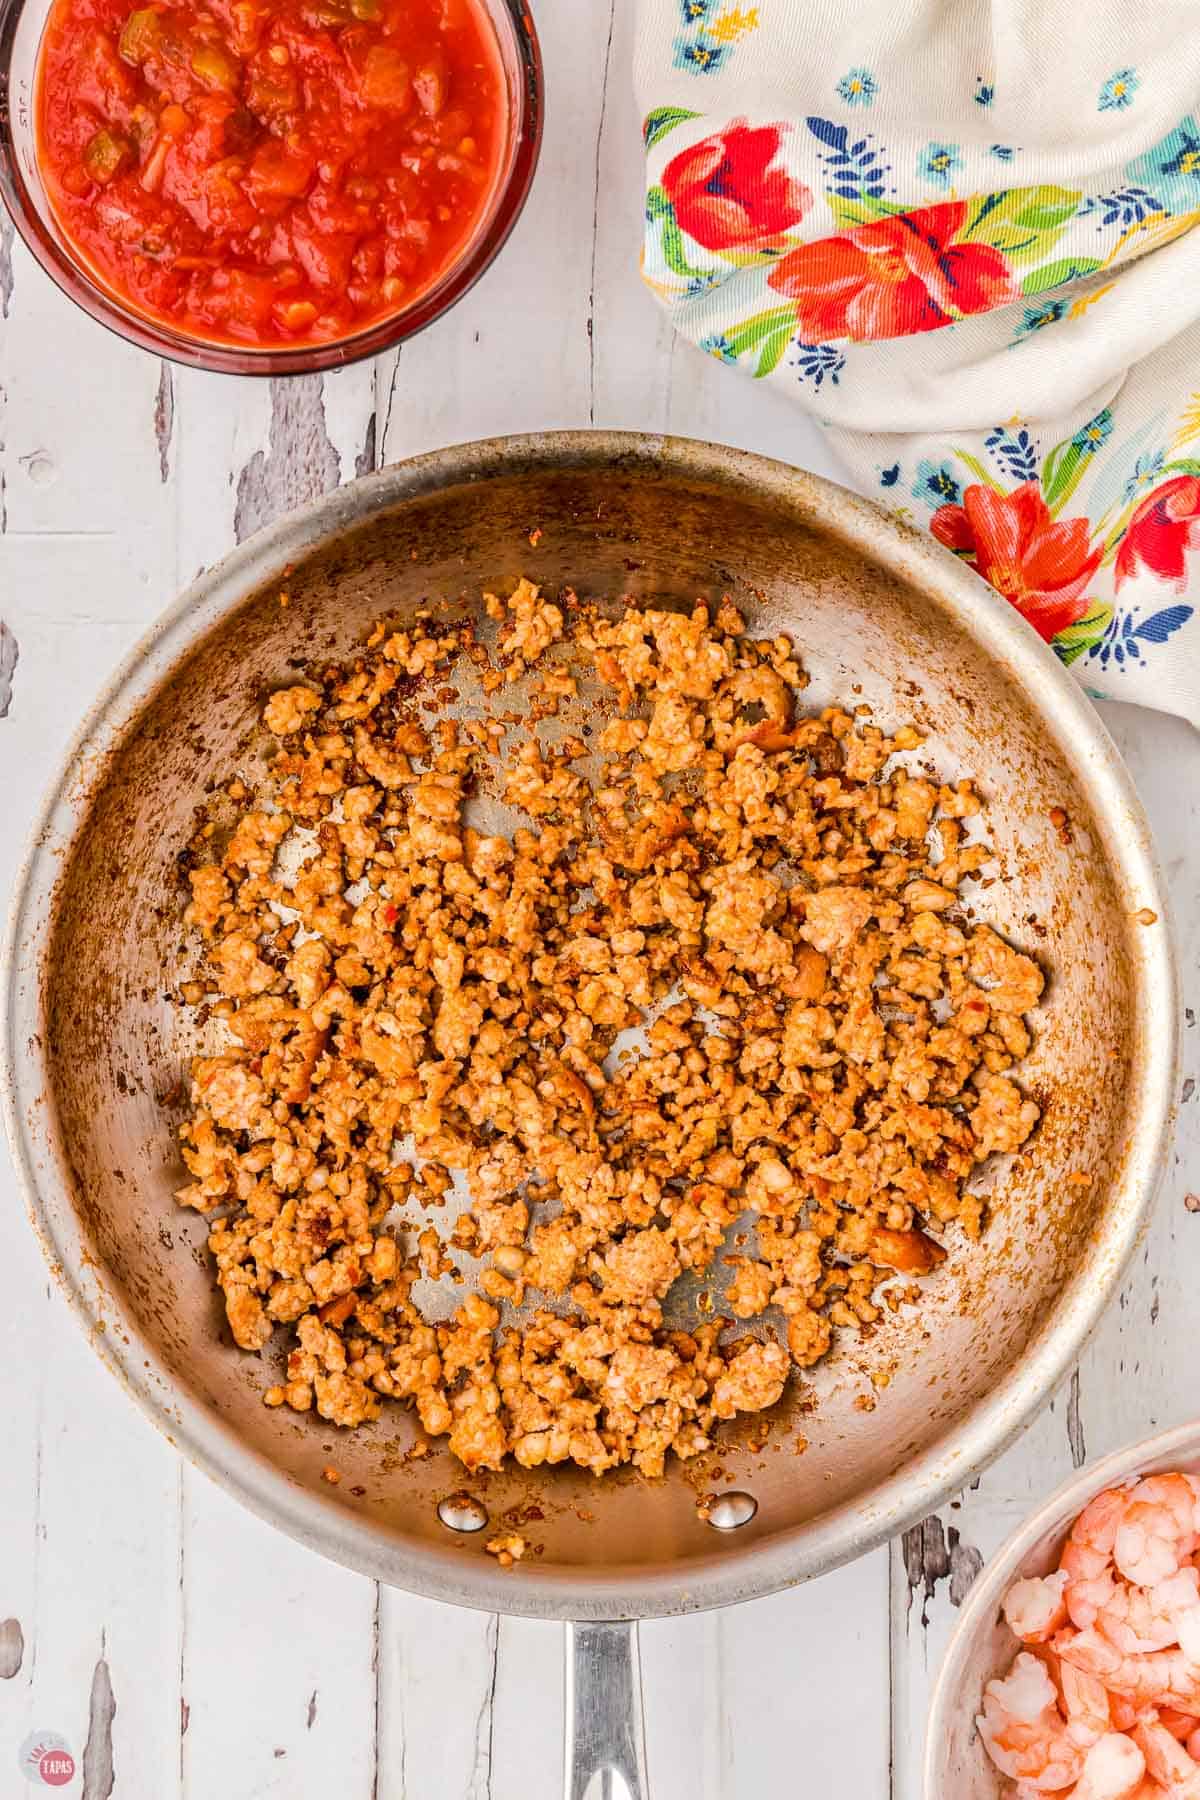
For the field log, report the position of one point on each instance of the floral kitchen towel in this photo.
(960, 232)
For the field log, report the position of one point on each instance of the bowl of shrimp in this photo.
(1074, 1671)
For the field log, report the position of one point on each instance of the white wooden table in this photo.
(180, 1646)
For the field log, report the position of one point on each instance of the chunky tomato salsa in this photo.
(270, 172)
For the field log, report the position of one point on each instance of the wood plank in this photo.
(277, 1662)
(1135, 1376)
(830, 1636)
(89, 1511)
(439, 1670)
(91, 1587)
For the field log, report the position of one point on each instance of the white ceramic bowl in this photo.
(956, 1765)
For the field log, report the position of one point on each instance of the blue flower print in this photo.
(1038, 316)
(718, 345)
(858, 87)
(1127, 635)
(1118, 91)
(818, 362)
(701, 282)
(700, 55)
(938, 162)
(890, 476)
(855, 169)
(1125, 207)
(1146, 471)
(1002, 152)
(1171, 170)
(985, 91)
(1089, 438)
(695, 12)
(936, 484)
(1014, 451)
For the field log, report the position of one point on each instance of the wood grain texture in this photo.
(1136, 1373)
(185, 1650)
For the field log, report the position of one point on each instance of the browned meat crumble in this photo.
(767, 903)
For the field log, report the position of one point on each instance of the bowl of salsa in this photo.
(267, 186)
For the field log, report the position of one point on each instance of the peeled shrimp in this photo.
(1024, 1731)
(1036, 1608)
(1179, 1724)
(1175, 1771)
(1113, 1769)
(1156, 1533)
(1147, 1530)
(1136, 1619)
(1087, 1554)
(1123, 1713)
(1086, 1704)
(1157, 1677)
(1107, 1707)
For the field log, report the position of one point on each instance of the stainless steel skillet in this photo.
(93, 1045)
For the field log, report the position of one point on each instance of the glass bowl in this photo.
(24, 194)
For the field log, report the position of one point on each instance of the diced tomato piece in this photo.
(278, 174)
(368, 260)
(324, 256)
(385, 79)
(102, 80)
(330, 213)
(227, 208)
(246, 299)
(219, 128)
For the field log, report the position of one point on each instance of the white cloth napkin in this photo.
(959, 233)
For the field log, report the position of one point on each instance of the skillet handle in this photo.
(605, 1746)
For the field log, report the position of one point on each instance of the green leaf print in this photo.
(664, 119)
(1067, 463)
(773, 349)
(979, 471)
(761, 326)
(863, 211)
(1063, 473)
(658, 207)
(1053, 274)
(1022, 223)
(1071, 643)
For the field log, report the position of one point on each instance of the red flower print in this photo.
(1040, 565)
(893, 277)
(1165, 525)
(725, 193)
